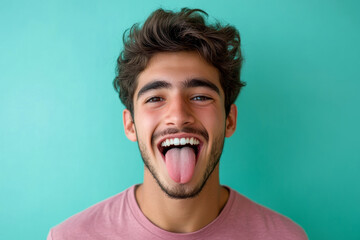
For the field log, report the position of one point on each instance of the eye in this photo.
(154, 100)
(201, 98)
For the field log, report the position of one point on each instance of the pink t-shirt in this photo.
(119, 217)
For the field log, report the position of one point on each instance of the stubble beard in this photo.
(182, 191)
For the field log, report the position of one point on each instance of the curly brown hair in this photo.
(186, 30)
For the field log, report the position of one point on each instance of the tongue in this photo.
(180, 163)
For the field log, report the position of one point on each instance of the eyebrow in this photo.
(190, 83)
(157, 84)
(196, 82)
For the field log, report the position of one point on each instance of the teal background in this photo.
(62, 144)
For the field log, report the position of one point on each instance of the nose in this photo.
(179, 112)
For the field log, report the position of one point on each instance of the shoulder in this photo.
(263, 220)
(86, 224)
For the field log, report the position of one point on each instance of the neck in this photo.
(181, 215)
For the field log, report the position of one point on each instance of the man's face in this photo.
(179, 121)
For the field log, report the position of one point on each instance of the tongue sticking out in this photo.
(180, 163)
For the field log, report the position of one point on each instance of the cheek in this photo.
(213, 120)
(146, 122)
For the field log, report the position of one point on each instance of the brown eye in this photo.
(154, 99)
(201, 98)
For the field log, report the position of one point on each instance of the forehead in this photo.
(176, 68)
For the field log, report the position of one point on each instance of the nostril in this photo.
(179, 120)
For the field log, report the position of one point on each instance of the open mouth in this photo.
(180, 155)
(170, 143)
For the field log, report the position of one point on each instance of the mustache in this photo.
(168, 131)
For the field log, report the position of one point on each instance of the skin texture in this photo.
(180, 95)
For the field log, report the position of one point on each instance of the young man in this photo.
(179, 78)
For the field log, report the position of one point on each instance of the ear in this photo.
(231, 121)
(129, 125)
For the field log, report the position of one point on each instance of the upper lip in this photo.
(179, 135)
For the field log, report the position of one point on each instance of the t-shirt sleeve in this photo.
(49, 237)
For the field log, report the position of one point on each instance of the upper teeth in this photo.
(179, 141)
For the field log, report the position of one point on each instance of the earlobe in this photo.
(231, 121)
(129, 125)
